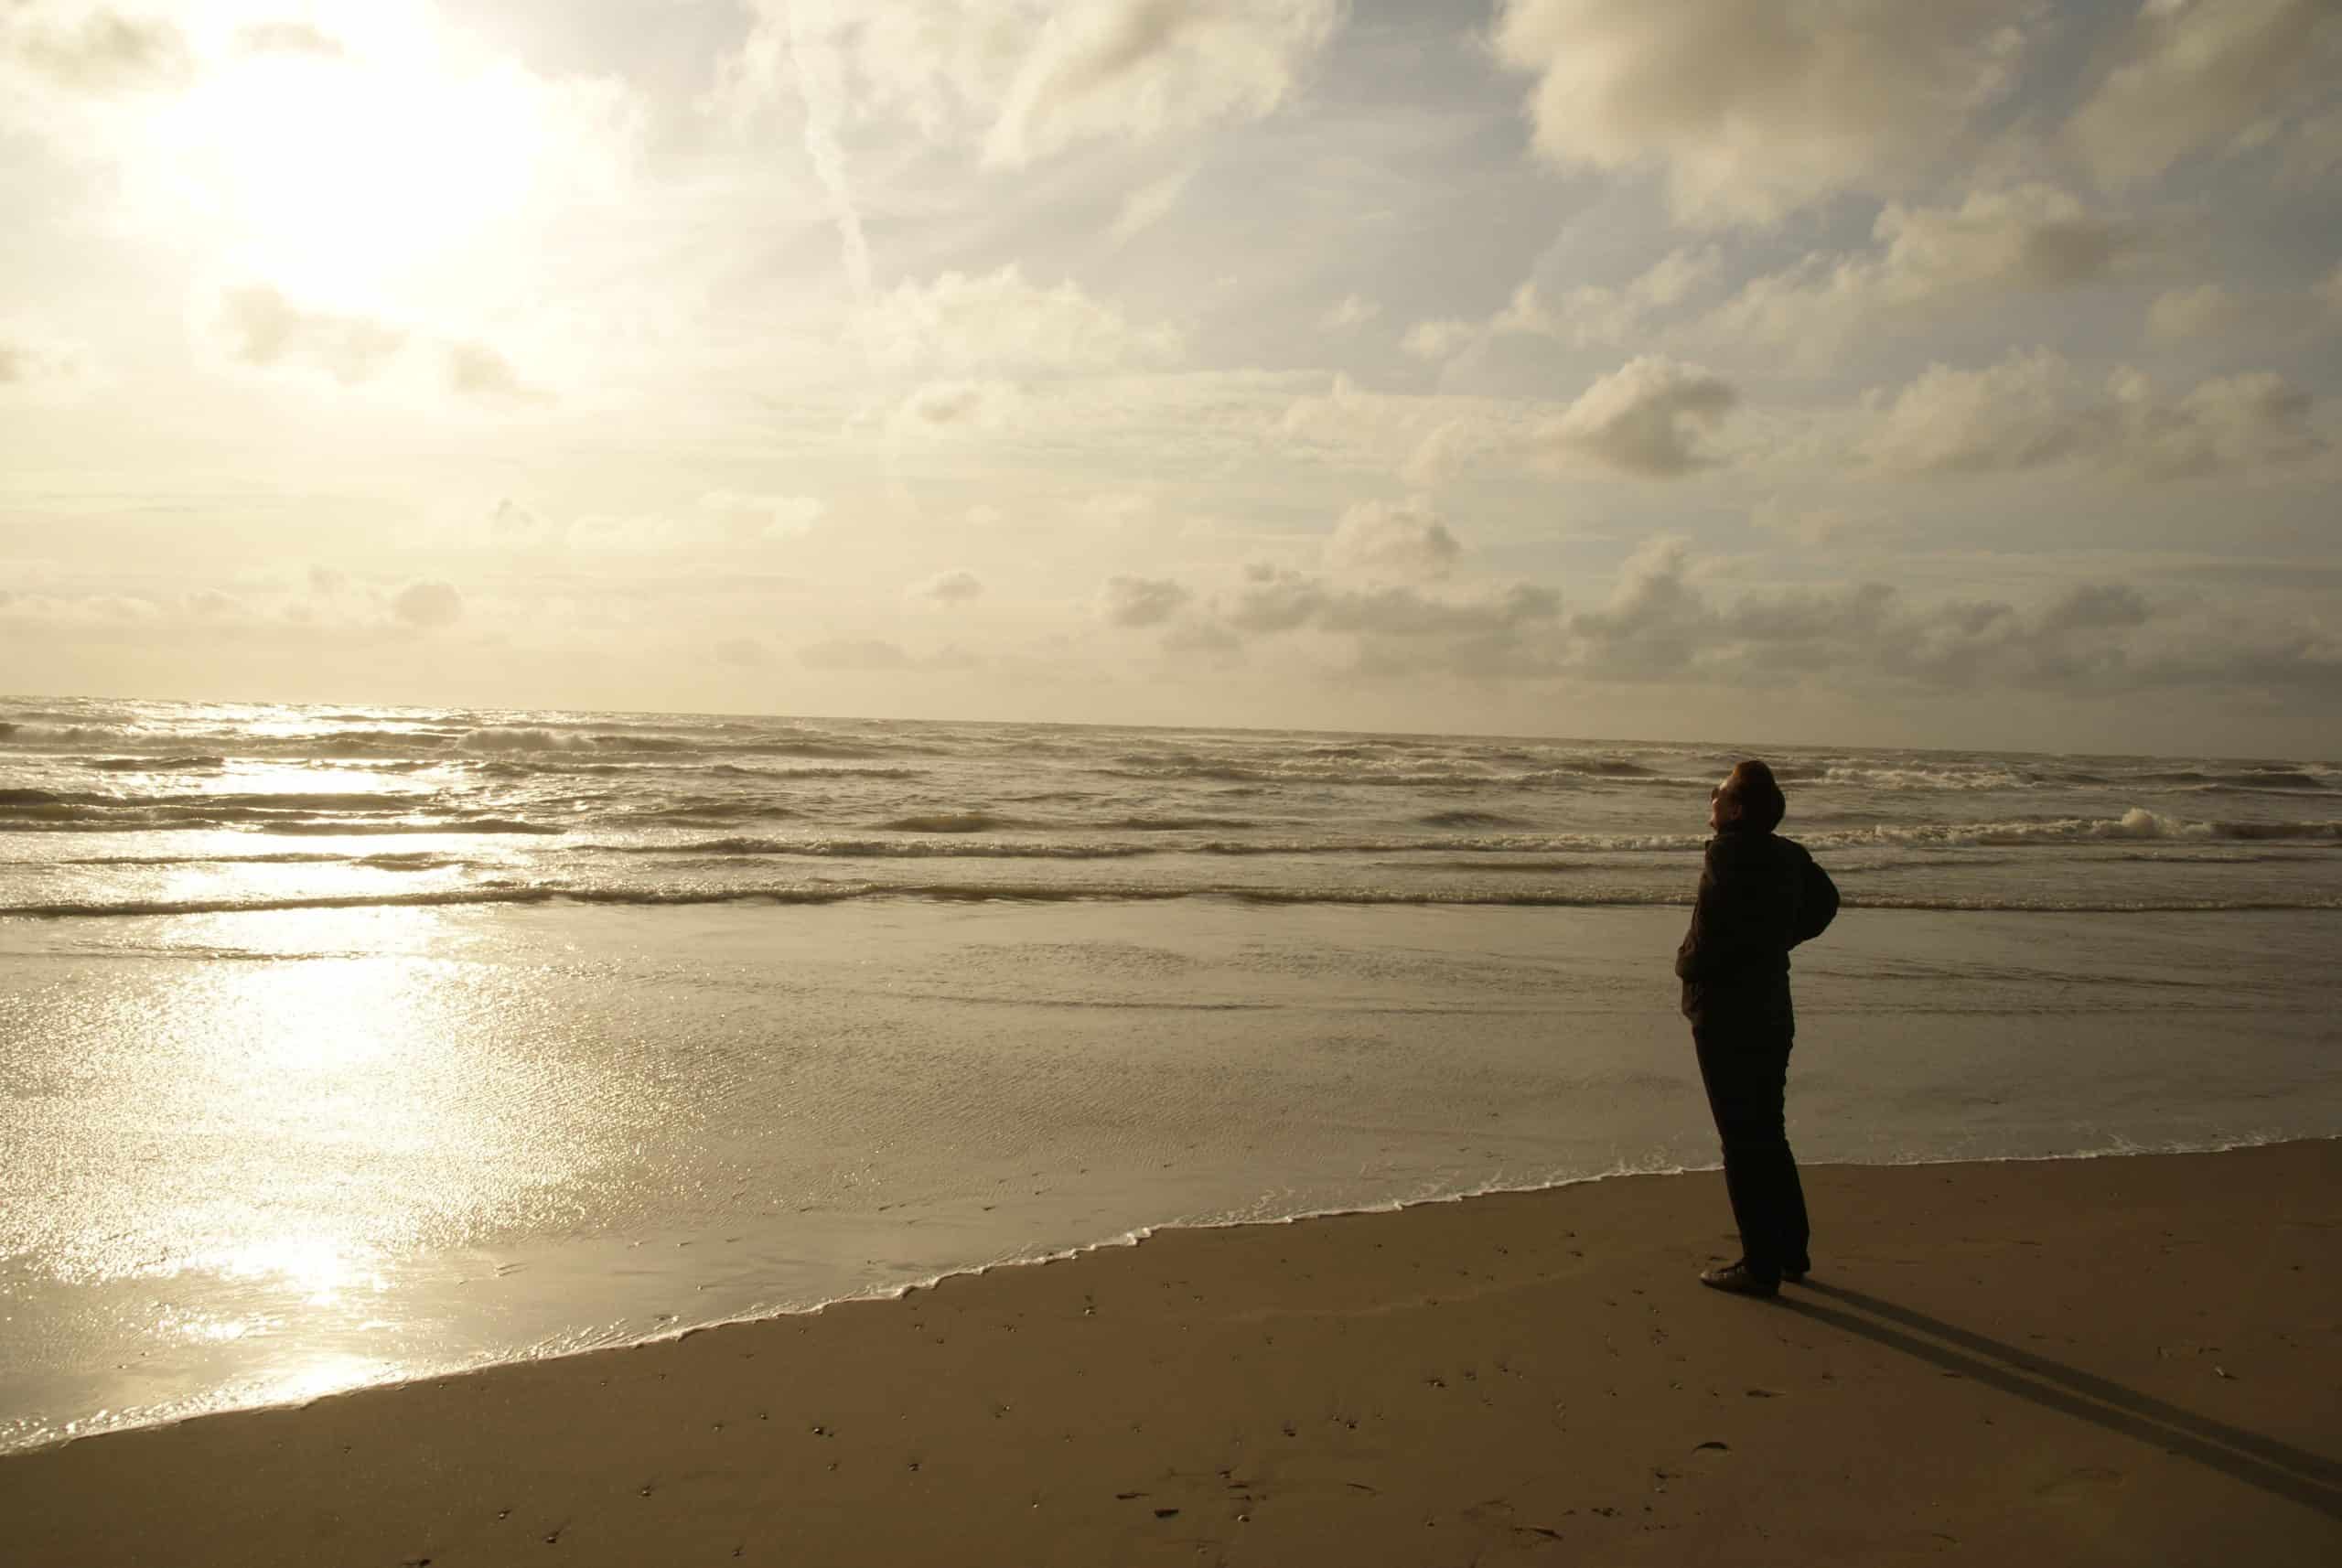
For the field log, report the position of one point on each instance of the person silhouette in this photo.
(1760, 894)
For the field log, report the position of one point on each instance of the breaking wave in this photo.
(1051, 893)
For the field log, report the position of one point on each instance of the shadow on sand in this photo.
(2295, 1474)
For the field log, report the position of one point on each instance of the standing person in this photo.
(1760, 894)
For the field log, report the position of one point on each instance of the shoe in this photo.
(1735, 1279)
(1795, 1272)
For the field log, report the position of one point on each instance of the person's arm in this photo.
(1817, 901)
(1730, 923)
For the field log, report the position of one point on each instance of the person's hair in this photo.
(1753, 789)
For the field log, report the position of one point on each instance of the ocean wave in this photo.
(952, 822)
(153, 764)
(1468, 820)
(2138, 822)
(392, 860)
(893, 849)
(447, 825)
(1053, 892)
(2253, 781)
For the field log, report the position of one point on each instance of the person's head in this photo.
(1748, 799)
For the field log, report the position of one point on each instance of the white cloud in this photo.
(998, 321)
(1023, 79)
(955, 587)
(32, 363)
(948, 406)
(510, 523)
(1811, 524)
(1148, 205)
(1375, 539)
(2182, 313)
(478, 371)
(1593, 314)
(280, 36)
(1580, 316)
(264, 328)
(1752, 108)
(2208, 75)
(1351, 311)
(92, 48)
(1929, 260)
(746, 519)
(2089, 637)
(1644, 418)
(1142, 601)
(2030, 410)
(1439, 339)
(1135, 67)
(428, 604)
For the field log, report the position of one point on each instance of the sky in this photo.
(1966, 375)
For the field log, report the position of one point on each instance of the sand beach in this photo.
(2111, 1361)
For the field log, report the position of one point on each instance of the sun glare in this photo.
(333, 177)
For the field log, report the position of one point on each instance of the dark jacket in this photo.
(1760, 894)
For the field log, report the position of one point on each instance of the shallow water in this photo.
(259, 1156)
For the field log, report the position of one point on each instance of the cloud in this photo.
(1150, 203)
(1389, 629)
(2090, 637)
(1814, 525)
(1379, 540)
(1351, 311)
(510, 523)
(325, 582)
(744, 519)
(1270, 600)
(1644, 418)
(998, 321)
(428, 604)
(847, 653)
(2214, 76)
(2180, 314)
(1580, 316)
(742, 652)
(940, 407)
(1928, 261)
(288, 37)
(2030, 410)
(478, 372)
(264, 328)
(1653, 619)
(1021, 80)
(2328, 290)
(1751, 109)
(1142, 601)
(32, 363)
(1439, 339)
(101, 52)
(1136, 68)
(957, 587)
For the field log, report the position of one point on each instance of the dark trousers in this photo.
(1745, 1071)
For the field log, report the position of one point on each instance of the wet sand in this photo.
(2123, 1360)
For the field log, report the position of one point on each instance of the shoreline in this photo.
(1134, 1237)
(1250, 1362)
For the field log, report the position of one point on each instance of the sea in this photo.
(342, 1045)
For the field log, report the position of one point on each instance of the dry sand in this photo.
(2131, 1361)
